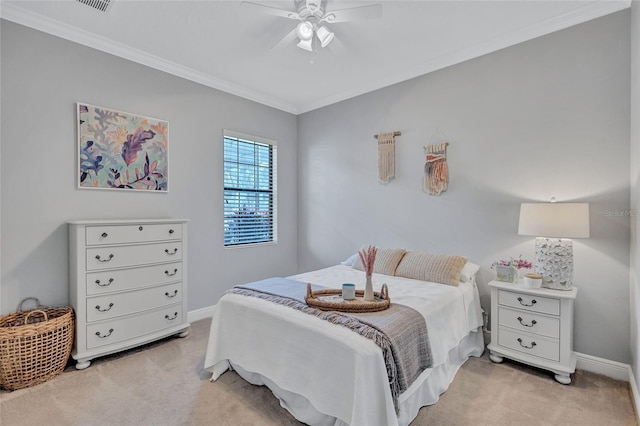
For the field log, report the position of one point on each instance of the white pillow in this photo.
(350, 260)
(469, 271)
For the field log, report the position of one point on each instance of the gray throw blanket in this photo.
(400, 331)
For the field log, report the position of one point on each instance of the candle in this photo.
(348, 291)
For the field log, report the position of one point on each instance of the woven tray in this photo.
(331, 300)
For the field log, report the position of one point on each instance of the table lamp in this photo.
(553, 224)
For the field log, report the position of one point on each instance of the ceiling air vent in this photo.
(101, 5)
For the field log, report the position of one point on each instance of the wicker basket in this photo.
(34, 345)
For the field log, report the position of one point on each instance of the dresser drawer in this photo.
(529, 302)
(116, 257)
(132, 278)
(122, 234)
(120, 329)
(118, 304)
(529, 322)
(531, 344)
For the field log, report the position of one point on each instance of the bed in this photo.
(325, 374)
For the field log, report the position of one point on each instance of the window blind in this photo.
(249, 190)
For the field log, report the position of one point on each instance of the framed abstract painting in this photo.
(121, 151)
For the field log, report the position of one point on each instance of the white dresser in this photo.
(533, 326)
(128, 284)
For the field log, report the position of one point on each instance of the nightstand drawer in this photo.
(529, 302)
(531, 344)
(529, 322)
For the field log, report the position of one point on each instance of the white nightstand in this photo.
(534, 326)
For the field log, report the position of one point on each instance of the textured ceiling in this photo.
(227, 46)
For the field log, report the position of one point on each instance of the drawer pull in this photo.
(106, 309)
(169, 274)
(106, 335)
(525, 346)
(171, 231)
(175, 315)
(533, 322)
(104, 235)
(175, 250)
(140, 228)
(533, 302)
(175, 293)
(104, 260)
(105, 285)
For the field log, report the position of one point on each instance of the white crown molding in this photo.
(591, 11)
(50, 26)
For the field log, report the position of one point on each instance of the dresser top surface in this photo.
(125, 221)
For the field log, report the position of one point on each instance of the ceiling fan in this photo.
(313, 14)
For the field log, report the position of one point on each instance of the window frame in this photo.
(230, 134)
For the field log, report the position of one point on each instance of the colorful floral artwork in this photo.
(118, 150)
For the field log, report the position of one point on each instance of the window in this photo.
(249, 190)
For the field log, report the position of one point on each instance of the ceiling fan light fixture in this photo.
(325, 36)
(306, 45)
(305, 31)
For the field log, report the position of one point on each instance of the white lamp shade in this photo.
(554, 220)
(325, 36)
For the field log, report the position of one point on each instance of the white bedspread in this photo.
(341, 373)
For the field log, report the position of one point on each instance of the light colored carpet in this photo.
(164, 384)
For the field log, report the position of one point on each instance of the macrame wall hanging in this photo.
(436, 172)
(386, 156)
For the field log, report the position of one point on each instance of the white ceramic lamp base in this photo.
(554, 261)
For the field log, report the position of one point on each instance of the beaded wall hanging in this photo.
(436, 173)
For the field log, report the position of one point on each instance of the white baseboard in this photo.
(613, 369)
(634, 393)
(616, 370)
(201, 313)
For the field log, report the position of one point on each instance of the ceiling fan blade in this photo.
(271, 10)
(360, 12)
(289, 38)
(336, 45)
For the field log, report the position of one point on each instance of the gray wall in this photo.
(545, 118)
(42, 78)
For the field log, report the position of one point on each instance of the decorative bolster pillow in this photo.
(438, 268)
(386, 261)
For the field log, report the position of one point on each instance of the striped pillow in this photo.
(386, 261)
(438, 268)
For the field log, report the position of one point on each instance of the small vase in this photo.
(507, 274)
(368, 290)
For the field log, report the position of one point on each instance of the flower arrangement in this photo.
(518, 263)
(368, 258)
